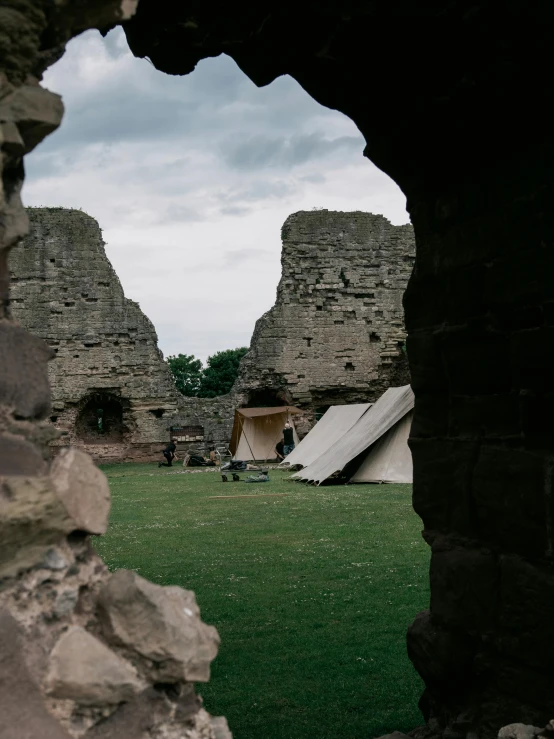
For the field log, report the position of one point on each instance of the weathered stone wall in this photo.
(336, 333)
(78, 657)
(65, 291)
(461, 121)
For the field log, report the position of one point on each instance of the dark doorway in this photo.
(267, 398)
(100, 419)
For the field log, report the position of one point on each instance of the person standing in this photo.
(169, 453)
(288, 439)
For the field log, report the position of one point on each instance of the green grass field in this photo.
(312, 593)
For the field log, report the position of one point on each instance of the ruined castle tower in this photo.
(112, 393)
(336, 332)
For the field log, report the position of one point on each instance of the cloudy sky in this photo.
(191, 179)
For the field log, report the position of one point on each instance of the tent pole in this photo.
(246, 437)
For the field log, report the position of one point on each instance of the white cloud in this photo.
(191, 179)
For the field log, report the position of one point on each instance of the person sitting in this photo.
(288, 439)
(212, 457)
(280, 450)
(170, 454)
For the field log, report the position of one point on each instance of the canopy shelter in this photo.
(256, 431)
(330, 428)
(358, 444)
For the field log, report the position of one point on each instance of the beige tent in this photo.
(330, 428)
(390, 458)
(391, 408)
(256, 431)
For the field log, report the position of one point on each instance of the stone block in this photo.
(221, 728)
(159, 623)
(135, 719)
(536, 412)
(475, 360)
(442, 483)
(23, 372)
(22, 710)
(83, 669)
(430, 415)
(83, 489)
(486, 416)
(426, 364)
(31, 518)
(19, 457)
(530, 357)
(443, 657)
(519, 731)
(508, 488)
(464, 587)
(525, 630)
(36, 111)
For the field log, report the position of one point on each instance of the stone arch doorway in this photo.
(100, 419)
(267, 398)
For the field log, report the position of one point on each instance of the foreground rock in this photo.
(86, 671)
(83, 489)
(161, 624)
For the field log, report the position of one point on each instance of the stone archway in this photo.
(100, 419)
(452, 98)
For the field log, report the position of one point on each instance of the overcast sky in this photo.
(191, 179)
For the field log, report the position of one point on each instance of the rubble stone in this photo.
(31, 517)
(519, 731)
(160, 623)
(84, 670)
(83, 489)
(22, 710)
(221, 728)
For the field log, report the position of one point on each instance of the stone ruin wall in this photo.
(65, 291)
(479, 312)
(336, 333)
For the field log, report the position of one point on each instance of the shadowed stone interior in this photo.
(453, 100)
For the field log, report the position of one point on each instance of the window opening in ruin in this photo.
(349, 367)
(266, 398)
(374, 337)
(157, 412)
(320, 411)
(187, 433)
(100, 419)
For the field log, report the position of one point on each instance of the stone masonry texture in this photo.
(336, 333)
(453, 102)
(65, 291)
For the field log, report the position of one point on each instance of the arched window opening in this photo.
(267, 398)
(100, 419)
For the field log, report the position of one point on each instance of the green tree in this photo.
(220, 372)
(187, 373)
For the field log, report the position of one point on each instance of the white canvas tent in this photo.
(256, 431)
(383, 417)
(330, 428)
(390, 458)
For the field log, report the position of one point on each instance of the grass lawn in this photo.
(311, 592)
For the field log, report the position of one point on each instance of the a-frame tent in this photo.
(330, 428)
(390, 458)
(256, 431)
(390, 462)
